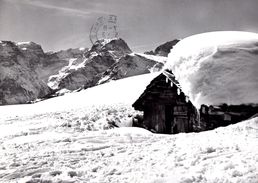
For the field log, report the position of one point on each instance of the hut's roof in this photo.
(169, 76)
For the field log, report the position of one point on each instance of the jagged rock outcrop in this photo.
(164, 49)
(19, 82)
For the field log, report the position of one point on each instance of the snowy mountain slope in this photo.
(84, 72)
(131, 65)
(221, 68)
(107, 60)
(62, 140)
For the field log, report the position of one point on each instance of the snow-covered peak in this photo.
(118, 45)
(106, 41)
(217, 67)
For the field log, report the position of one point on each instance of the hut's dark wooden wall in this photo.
(166, 109)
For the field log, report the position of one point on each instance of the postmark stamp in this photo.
(104, 28)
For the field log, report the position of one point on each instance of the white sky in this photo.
(144, 24)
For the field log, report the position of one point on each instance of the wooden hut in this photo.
(166, 108)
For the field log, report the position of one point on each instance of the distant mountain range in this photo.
(27, 73)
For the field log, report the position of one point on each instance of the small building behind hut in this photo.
(212, 117)
(166, 108)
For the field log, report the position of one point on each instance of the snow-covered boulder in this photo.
(217, 67)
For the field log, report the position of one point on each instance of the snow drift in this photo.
(217, 67)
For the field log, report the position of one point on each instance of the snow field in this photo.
(64, 154)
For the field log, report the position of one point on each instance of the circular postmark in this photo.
(104, 28)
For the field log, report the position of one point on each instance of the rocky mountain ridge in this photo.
(105, 61)
(84, 72)
(25, 69)
(28, 73)
(19, 79)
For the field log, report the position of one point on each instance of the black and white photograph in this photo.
(128, 91)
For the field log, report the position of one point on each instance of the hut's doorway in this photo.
(168, 119)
